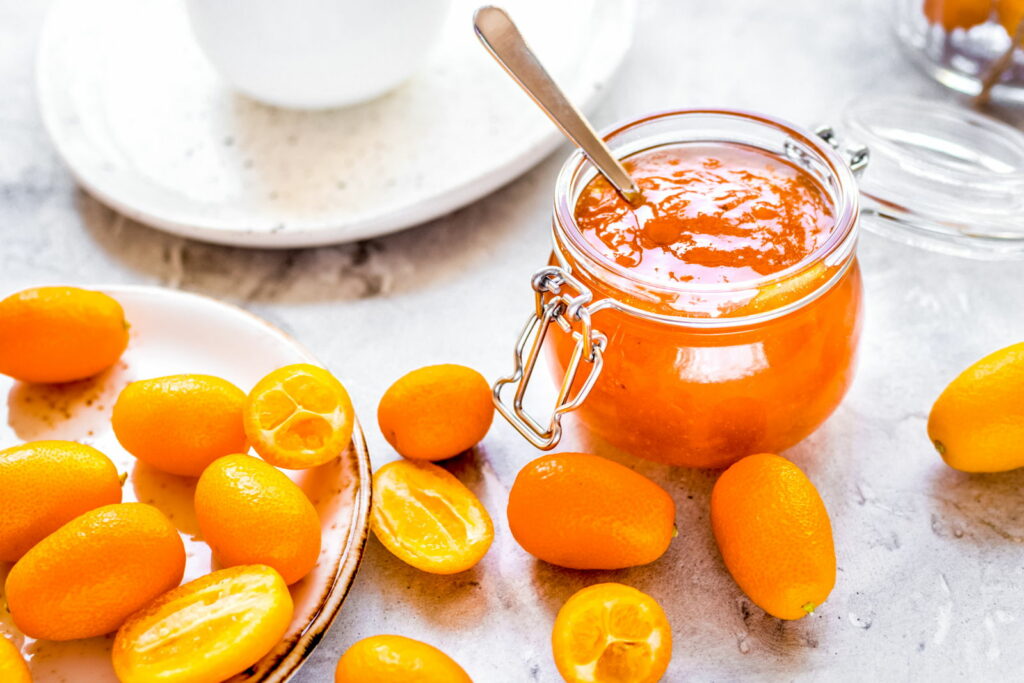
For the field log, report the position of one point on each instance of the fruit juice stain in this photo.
(712, 213)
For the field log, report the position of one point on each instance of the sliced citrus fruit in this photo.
(299, 416)
(205, 631)
(13, 668)
(395, 658)
(611, 633)
(428, 519)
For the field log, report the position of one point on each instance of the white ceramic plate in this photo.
(171, 333)
(146, 125)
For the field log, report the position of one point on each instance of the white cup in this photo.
(316, 54)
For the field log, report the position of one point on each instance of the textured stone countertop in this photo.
(931, 561)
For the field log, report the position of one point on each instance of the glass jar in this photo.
(697, 374)
(964, 44)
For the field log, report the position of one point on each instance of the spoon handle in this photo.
(502, 39)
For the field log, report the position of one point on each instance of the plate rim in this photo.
(302, 645)
(326, 233)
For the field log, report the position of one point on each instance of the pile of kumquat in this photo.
(87, 564)
(579, 511)
(62, 518)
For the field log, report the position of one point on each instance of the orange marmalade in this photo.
(730, 298)
(711, 213)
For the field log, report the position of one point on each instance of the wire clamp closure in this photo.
(563, 300)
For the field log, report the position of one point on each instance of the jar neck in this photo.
(730, 304)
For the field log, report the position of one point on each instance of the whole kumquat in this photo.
(774, 535)
(13, 668)
(387, 659)
(45, 484)
(207, 630)
(977, 423)
(611, 633)
(299, 416)
(587, 512)
(436, 412)
(428, 518)
(60, 334)
(85, 578)
(249, 512)
(1010, 14)
(954, 14)
(181, 423)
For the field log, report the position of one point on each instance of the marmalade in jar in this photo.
(711, 213)
(729, 234)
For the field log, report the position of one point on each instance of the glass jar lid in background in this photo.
(941, 176)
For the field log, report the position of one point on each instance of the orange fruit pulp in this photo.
(299, 416)
(428, 518)
(205, 631)
(611, 633)
(387, 659)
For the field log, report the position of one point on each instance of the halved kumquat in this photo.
(428, 518)
(13, 668)
(299, 416)
(207, 630)
(611, 633)
(383, 659)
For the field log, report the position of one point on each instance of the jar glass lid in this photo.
(941, 176)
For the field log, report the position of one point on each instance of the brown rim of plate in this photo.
(286, 664)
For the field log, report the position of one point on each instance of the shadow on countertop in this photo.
(514, 218)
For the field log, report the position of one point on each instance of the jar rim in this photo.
(846, 211)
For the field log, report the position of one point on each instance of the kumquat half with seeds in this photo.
(610, 633)
(299, 416)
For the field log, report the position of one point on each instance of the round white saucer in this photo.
(149, 128)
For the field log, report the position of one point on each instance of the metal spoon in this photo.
(502, 39)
